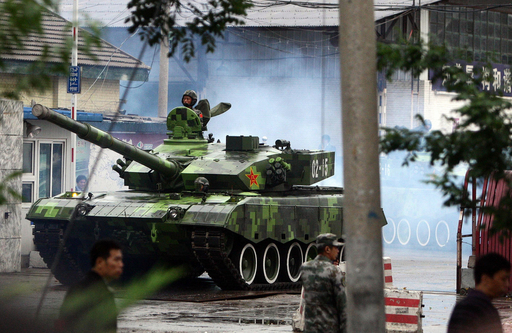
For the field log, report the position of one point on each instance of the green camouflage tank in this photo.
(243, 211)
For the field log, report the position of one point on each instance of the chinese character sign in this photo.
(500, 75)
(74, 80)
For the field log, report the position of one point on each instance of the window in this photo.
(28, 161)
(43, 169)
(27, 193)
(50, 169)
(480, 32)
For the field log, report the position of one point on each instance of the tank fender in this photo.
(208, 215)
(51, 208)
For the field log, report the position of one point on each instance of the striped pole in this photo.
(74, 98)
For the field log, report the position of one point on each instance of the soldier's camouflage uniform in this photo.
(324, 295)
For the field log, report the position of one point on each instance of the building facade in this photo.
(44, 152)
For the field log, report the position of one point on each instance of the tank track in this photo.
(47, 243)
(209, 246)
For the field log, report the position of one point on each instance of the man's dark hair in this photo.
(101, 249)
(81, 177)
(321, 248)
(490, 264)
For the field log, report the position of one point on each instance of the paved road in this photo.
(431, 272)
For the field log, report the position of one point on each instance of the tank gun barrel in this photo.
(89, 133)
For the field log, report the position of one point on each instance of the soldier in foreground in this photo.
(324, 294)
(476, 313)
(89, 306)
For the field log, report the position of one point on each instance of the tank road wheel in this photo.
(292, 263)
(311, 252)
(248, 264)
(270, 263)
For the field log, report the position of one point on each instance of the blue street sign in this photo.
(74, 80)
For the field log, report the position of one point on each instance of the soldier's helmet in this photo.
(201, 184)
(192, 94)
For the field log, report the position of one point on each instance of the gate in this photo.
(483, 240)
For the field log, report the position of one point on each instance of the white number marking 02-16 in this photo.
(319, 168)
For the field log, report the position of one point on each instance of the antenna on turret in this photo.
(210, 138)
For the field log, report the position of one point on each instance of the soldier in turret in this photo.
(189, 99)
(202, 109)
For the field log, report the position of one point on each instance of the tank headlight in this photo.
(173, 214)
(83, 209)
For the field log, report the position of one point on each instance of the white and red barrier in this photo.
(388, 274)
(403, 310)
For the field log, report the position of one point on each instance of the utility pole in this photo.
(361, 213)
(74, 98)
(163, 77)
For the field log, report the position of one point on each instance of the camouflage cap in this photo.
(327, 240)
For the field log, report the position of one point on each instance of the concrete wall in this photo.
(11, 141)
(105, 92)
(433, 105)
(96, 96)
(402, 105)
(442, 104)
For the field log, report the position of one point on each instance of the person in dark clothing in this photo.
(476, 313)
(89, 306)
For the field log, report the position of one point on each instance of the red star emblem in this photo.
(253, 178)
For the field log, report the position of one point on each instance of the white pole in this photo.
(74, 62)
(163, 78)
